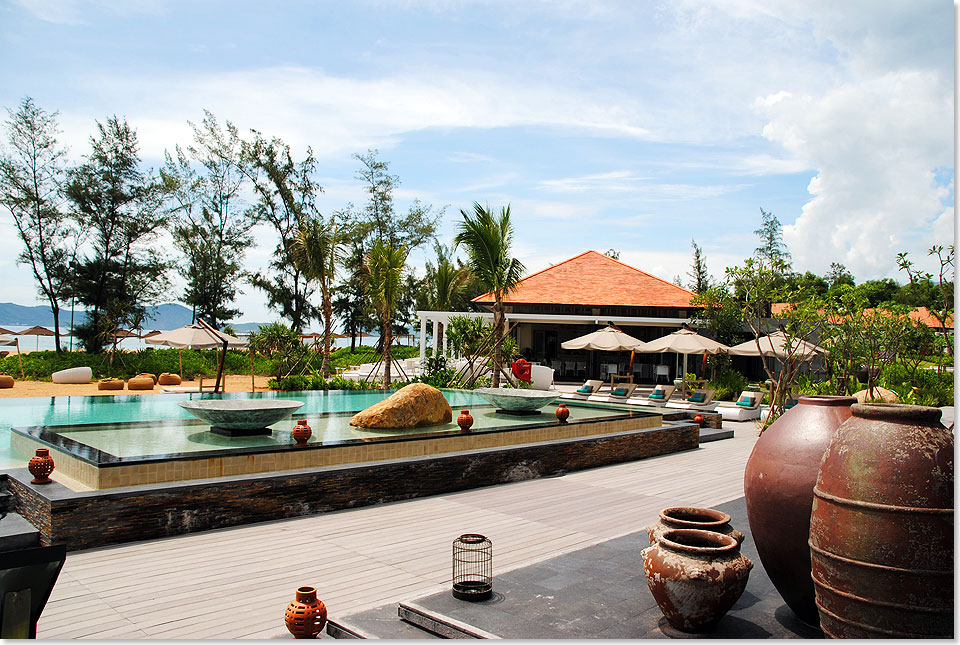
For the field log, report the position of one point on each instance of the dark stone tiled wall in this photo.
(711, 419)
(89, 519)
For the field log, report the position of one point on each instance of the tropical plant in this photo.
(282, 346)
(446, 285)
(487, 239)
(317, 250)
(385, 266)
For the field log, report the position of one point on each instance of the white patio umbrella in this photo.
(683, 341)
(779, 345)
(608, 339)
(197, 336)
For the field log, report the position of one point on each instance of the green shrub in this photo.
(728, 384)
(926, 387)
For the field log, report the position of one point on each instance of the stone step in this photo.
(714, 434)
(439, 624)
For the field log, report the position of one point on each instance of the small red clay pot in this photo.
(465, 421)
(301, 432)
(691, 517)
(306, 616)
(563, 412)
(699, 420)
(695, 577)
(40, 466)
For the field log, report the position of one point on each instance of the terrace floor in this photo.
(235, 583)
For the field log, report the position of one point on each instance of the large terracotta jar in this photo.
(778, 486)
(306, 616)
(695, 576)
(881, 530)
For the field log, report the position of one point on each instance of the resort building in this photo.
(578, 296)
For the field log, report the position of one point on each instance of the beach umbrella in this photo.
(6, 332)
(7, 341)
(608, 339)
(199, 335)
(780, 345)
(37, 331)
(683, 341)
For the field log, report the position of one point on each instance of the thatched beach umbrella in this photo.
(7, 341)
(198, 336)
(780, 345)
(37, 331)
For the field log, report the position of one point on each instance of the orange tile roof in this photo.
(592, 278)
(919, 314)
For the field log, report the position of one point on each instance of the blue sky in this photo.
(636, 126)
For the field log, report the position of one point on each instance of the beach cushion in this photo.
(73, 375)
(697, 397)
(620, 391)
(746, 401)
(656, 395)
(586, 389)
(6, 381)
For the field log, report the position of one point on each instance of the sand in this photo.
(234, 383)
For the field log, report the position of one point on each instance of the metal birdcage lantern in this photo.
(472, 567)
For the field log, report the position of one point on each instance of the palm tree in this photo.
(316, 252)
(488, 239)
(385, 280)
(448, 282)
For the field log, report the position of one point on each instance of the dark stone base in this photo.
(518, 413)
(239, 432)
(82, 520)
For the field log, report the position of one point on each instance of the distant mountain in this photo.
(168, 316)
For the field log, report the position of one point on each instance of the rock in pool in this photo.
(412, 406)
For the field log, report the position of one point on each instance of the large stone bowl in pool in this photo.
(241, 417)
(511, 401)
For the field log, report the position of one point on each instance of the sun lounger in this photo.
(698, 400)
(659, 396)
(622, 392)
(745, 408)
(587, 391)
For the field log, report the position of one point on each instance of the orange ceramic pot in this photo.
(465, 421)
(563, 412)
(302, 432)
(306, 616)
(40, 466)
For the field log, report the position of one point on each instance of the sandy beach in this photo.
(234, 383)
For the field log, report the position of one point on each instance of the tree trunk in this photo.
(56, 323)
(327, 331)
(497, 331)
(439, 336)
(386, 340)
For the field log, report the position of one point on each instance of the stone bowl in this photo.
(515, 400)
(241, 414)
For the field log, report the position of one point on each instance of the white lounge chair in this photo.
(622, 392)
(745, 408)
(659, 396)
(697, 400)
(587, 390)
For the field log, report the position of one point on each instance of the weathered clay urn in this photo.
(695, 576)
(465, 420)
(692, 517)
(306, 616)
(563, 412)
(881, 530)
(778, 486)
(699, 420)
(301, 432)
(40, 466)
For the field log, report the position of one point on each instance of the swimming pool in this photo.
(150, 408)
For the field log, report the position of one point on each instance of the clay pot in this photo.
(167, 378)
(778, 486)
(306, 616)
(695, 576)
(110, 384)
(6, 381)
(691, 517)
(465, 421)
(563, 412)
(699, 420)
(40, 466)
(881, 530)
(302, 432)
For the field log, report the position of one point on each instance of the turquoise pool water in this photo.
(73, 410)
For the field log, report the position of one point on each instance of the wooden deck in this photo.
(235, 583)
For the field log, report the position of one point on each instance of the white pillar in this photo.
(446, 336)
(423, 339)
(436, 350)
